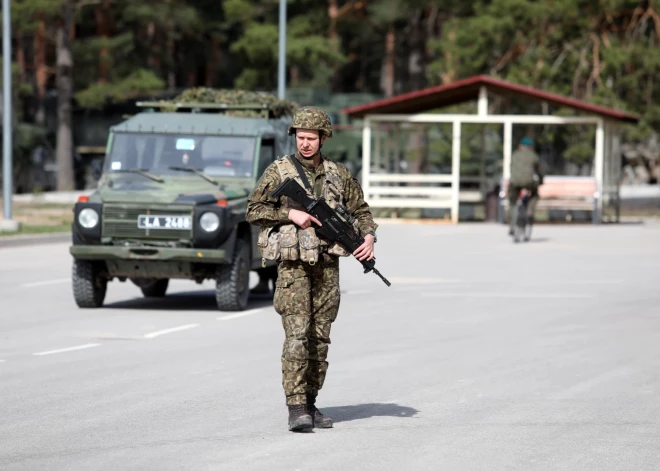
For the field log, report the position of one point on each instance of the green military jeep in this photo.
(171, 202)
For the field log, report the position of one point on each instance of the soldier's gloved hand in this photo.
(302, 219)
(366, 250)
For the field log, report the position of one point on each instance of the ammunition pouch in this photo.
(269, 243)
(287, 242)
(309, 245)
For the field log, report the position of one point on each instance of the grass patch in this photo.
(41, 218)
(31, 230)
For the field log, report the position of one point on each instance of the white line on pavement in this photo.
(240, 314)
(70, 349)
(44, 283)
(509, 295)
(358, 291)
(169, 331)
(3, 361)
(592, 282)
(422, 281)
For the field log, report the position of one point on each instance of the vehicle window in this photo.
(266, 156)
(231, 156)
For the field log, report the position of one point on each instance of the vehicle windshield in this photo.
(162, 154)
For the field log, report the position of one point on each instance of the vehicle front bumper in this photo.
(111, 252)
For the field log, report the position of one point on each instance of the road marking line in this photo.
(509, 295)
(44, 283)
(594, 282)
(240, 314)
(358, 291)
(70, 349)
(169, 331)
(3, 361)
(425, 281)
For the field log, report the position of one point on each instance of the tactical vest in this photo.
(288, 241)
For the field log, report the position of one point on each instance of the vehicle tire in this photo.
(528, 232)
(232, 284)
(89, 286)
(155, 288)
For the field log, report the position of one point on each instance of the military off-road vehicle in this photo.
(171, 201)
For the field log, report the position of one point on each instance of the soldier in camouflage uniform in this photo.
(525, 173)
(307, 289)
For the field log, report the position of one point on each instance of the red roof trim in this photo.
(381, 106)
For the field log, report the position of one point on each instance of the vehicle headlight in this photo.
(209, 222)
(88, 218)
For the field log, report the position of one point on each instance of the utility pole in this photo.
(281, 60)
(7, 127)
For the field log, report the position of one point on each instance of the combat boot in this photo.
(299, 418)
(320, 420)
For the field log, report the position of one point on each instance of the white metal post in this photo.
(7, 128)
(377, 157)
(281, 55)
(615, 155)
(366, 156)
(599, 167)
(455, 170)
(482, 104)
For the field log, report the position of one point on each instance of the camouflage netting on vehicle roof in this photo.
(278, 108)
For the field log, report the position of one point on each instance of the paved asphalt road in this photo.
(483, 355)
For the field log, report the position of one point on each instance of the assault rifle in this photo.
(336, 224)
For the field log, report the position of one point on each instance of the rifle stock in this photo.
(336, 225)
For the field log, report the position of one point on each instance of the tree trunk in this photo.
(41, 71)
(334, 42)
(332, 15)
(295, 76)
(417, 52)
(171, 74)
(152, 60)
(387, 78)
(103, 27)
(64, 150)
(212, 62)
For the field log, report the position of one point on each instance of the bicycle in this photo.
(522, 227)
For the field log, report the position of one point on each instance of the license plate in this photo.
(146, 221)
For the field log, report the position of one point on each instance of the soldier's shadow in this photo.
(366, 411)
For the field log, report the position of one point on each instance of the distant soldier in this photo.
(307, 289)
(525, 173)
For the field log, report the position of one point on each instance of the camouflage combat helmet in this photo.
(311, 117)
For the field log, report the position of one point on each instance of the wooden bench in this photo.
(560, 192)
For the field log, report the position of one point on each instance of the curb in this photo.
(37, 239)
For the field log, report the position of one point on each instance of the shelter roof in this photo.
(468, 90)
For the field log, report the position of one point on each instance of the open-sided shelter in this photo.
(396, 189)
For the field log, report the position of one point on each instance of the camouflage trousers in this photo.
(307, 299)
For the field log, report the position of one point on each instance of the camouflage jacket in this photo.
(263, 210)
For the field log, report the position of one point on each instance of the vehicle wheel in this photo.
(89, 286)
(232, 285)
(155, 288)
(518, 227)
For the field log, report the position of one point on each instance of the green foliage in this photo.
(599, 51)
(308, 48)
(602, 51)
(140, 82)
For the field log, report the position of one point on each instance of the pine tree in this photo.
(311, 55)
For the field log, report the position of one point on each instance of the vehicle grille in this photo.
(121, 221)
